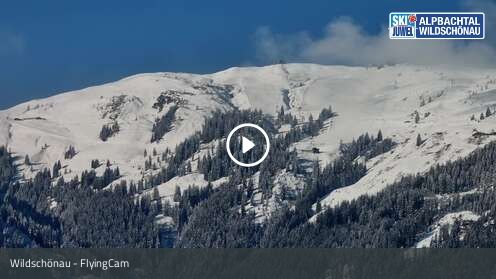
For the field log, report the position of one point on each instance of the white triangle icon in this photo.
(246, 144)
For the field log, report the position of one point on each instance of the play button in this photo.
(246, 145)
(249, 139)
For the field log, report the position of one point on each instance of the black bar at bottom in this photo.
(248, 263)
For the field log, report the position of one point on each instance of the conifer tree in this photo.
(56, 169)
(379, 135)
(419, 140)
(156, 194)
(177, 194)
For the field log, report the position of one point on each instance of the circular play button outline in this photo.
(247, 165)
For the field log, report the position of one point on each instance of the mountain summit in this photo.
(130, 122)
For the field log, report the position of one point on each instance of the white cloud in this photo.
(274, 47)
(489, 8)
(345, 42)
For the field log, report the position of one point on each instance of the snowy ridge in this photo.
(447, 220)
(366, 100)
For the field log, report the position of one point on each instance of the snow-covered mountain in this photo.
(366, 99)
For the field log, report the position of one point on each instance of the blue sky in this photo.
(47, 47)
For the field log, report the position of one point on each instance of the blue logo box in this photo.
(415, 25)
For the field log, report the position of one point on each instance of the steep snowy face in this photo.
(45, 129)
(402, 101)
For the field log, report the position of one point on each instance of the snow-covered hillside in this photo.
(365, 99)
(447, 220)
